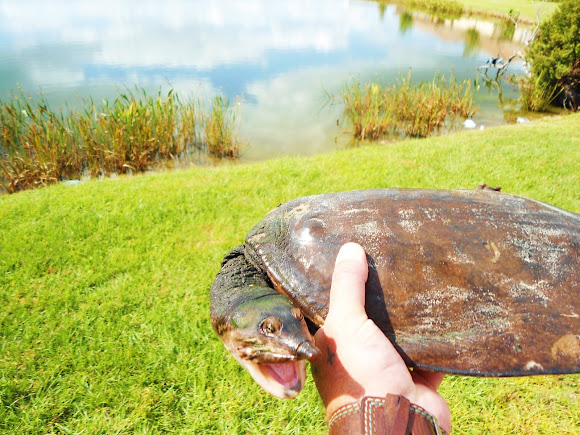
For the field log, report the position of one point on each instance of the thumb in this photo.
(347, 294)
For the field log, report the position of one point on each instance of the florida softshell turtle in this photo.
(470, 282)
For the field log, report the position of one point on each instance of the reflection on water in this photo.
(281, 56)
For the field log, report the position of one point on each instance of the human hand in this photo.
(357, 359)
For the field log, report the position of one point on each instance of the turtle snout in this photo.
(307, 350)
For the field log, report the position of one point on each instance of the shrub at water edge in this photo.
(555, 54)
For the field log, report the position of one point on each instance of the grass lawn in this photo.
(526, 8)
(104, 326)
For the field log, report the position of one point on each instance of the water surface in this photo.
(281, 57)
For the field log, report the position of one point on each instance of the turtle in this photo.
(467, 282)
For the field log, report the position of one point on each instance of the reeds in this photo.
(445, 8)
(376, 110)
(535, 94)
(221, 128)
(39, 146)
(130, 134)
(436, 8)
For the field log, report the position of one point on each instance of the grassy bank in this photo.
(526, 8)
(104, 286)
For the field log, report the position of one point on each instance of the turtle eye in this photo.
(297, 314)
(271, 326)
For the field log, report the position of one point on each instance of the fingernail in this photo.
(350, 251)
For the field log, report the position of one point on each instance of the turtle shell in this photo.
(468, 282)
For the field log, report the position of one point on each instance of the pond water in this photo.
(282, 57)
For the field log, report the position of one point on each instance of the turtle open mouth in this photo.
(283, 380)
(286, 374)
(281, 375)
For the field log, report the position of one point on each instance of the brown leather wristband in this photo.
(391, 415)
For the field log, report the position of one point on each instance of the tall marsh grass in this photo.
(221, 128)
(535, 95)
(447, 8)
(376, 109)
(41, 146)
(131, 133)
(438, 8)
(36, 145)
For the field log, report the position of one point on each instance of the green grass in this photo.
(526, 8)
(104, 326)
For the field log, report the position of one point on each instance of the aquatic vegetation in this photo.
(472, 41)
(376, 109)
(366, 109)
(507, 26)
(133, 132)
(220, 128)
(439, 8)
(41, 146)
(37, 146)
(535, 94)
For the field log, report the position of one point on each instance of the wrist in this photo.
(338, 402)
(391, 415)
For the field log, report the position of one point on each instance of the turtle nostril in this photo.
(297, 314)
(307, 350)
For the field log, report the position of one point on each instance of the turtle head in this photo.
(269, 337)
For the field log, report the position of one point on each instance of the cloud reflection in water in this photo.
(279, 55)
